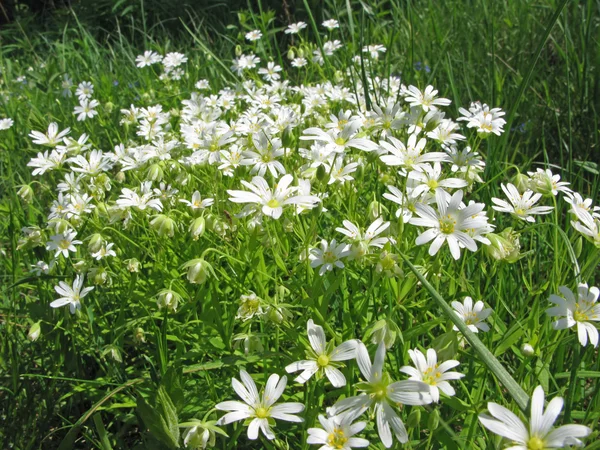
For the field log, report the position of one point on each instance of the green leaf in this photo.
(156, 423)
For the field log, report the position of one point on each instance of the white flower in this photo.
(299, 62)
(331, 24)
(272, 201)
(580, 311)
(340, 142)
(270, 73)
(295, 28)
(381, 393)
(472, 315)
(546, 183)
(411, 156)
(425, 99)
(253, 35)
(264, 155)
(70, 295)
(47, 161)
(84, 90)
(174, 59)
(340, 172)
(322, 358)
(5, 124)
(86, 109)
(129, 198)
(337, 433)
(588, 225)
(539, 435)
(484, 119)
(52, 137)
(148, 58)
(105, 250)
(521, 206)
(435, 375)
(197, 202)
(259, 408)
(406, 201)
(361, 244)
(429, 178)
(374, 50)
(63, 243)
(450, 223)
(578, 204)
(328, 256)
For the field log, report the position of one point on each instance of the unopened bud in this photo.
(168, 299)
(198, 270)
(163, 225)
(96, 243)
(414, 418)
(26, 193)
(197, 228)
(527, 350)
(521, 182)
(434, 420)
(34, 332)
(155, 172)
(120, 177)
(133, 265)
(139, 335)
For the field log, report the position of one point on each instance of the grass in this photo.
(79, 385)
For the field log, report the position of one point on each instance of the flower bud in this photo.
(26, 193)
(139, 335)
(541, 183)
(288, 225)
(198, 270)
(80, 266)
(374, 210)
(109, 106)
(133, 265)
(197, 228)
(321, 172)
(291, 54)
(199, 437)
(250, 305)
(96, 243)
(527, 349)
(414, 418)
(521, 182)
(168, 299)
(163, 225)
(34, 332)
(238, 50)
(155, 172)
(120, 177)
(504, 246)
(434, 419)
(99, 276)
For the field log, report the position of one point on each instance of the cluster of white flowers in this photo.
(264, 152)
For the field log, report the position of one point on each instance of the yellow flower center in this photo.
(535, 443)
(337, 439)
(431, 376)
(64, 243)
(340, 141)
(323, 361)
(262, 413)
(273, 203)
(447, 224)
(329, 257)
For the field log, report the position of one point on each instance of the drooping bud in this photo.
(34, 332)
(168, 299)
(434, 419)
(197, 228)
(198, 270)
(26, 193)
(133, 265)
(99, 276)
(155, 172)
(96, 242)
(375, 210)
(521, 182)
(504, 246)
(139, 335)
(163, 225)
